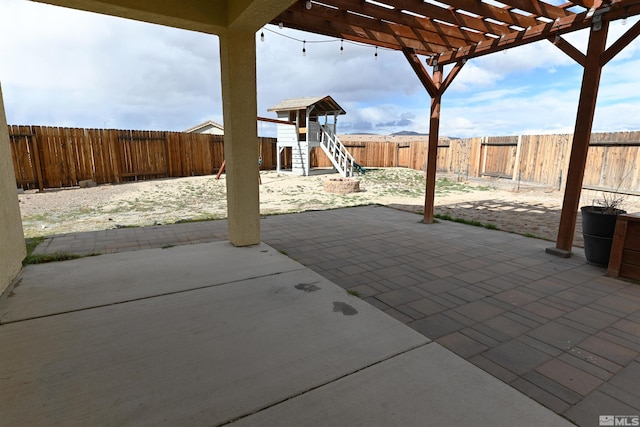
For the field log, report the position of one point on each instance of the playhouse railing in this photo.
(340, 157)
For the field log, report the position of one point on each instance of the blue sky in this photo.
(61, 67)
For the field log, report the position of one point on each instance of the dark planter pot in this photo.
(598, 226)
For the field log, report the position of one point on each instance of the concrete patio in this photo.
(206, 333)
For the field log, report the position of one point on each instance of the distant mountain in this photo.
(409, 133)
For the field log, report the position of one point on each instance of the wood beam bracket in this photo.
(620, 44)
(421, 72)
(568, 48)
(610, 53)
(434, 88)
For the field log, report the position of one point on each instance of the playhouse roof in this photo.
(322, 104)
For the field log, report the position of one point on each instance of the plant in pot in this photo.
(598, 226)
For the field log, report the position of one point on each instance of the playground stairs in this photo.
(339, 155)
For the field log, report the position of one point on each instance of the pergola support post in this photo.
(581, 137)
(436, 87)
(432, 151)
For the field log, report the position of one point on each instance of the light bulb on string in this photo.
(308, 4)
(624, 21)
(304, 42)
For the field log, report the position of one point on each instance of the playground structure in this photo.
(300, 127)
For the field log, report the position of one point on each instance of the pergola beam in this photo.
(430, 33)
(515, 38)
(501, 14)
(446, 15)
(539, 8)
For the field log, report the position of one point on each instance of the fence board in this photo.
(22, 157)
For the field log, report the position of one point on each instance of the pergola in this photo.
(454, 31)
(446, 32)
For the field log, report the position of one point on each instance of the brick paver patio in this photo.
(556, 329)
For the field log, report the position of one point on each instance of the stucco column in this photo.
(12, 247)
(241, 151)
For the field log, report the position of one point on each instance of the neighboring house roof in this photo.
(208, 123)
(322, 104)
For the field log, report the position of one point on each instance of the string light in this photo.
(304, 42)
(308, 5)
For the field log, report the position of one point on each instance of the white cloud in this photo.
(82, 69)
(534, 56)
(65, 67)
(472, 76)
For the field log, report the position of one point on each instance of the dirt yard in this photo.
(528, 210)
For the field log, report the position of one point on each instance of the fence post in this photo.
(36, 158)
(167, 150)
(516, 166)
(397, 154)
(117, 150)
(483, 149)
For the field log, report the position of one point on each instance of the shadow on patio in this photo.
(539, 220)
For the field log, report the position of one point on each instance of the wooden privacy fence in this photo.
(613, 162)
(52, 157)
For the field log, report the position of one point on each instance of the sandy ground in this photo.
(527, 210)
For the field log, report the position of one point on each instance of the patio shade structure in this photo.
(446, 32)
(454, 31)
